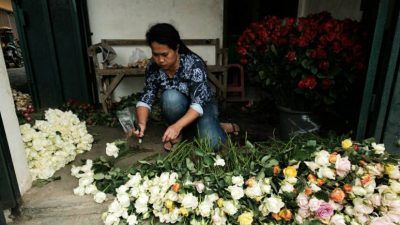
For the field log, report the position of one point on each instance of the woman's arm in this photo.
(142, 114)
(174, 130)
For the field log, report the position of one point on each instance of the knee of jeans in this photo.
(210, 130)
(174, 104)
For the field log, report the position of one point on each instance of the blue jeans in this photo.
(174, 105)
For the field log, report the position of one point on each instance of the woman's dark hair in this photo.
(166, 34)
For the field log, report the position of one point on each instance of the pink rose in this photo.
(304, 213)
(381, 221)
(302, 201)
(343, 166)
(325, 211)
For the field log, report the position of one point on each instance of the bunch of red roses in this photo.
(305, 62)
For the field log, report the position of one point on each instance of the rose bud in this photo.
(347, 188)
(337, 195)
(176, 187)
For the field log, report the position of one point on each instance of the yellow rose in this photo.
(169, 204)
(290, 171)
(389, 168)
(246, 218)
(184, 212)
(347, 143)
(220, 202)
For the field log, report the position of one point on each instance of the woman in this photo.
(186, 98)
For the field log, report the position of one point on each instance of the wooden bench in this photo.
(108, 78)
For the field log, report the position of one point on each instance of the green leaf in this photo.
(98, 176)
(144, 162)
(199, 152)
(322, 195)
(271, 163)
(190, 165)
(311, 143)
(265, 158)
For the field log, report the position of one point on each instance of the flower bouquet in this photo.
(304, 181)
(306, 63)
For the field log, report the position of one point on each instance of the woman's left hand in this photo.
(171, 133)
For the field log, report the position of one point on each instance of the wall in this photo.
(11, 127)
(340, 9)
(130, 19)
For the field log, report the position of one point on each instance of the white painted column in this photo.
(13, 133)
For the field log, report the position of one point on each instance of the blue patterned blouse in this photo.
(190, 80)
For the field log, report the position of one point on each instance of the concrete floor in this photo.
(55, 203)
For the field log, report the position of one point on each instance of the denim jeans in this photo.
(174, 105)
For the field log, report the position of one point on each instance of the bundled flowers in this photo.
(23, 105)
(354, 183)
(306, 62)
(52, 143)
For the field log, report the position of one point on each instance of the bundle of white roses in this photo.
(52, 143)
(353, 184)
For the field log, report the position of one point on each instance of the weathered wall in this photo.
(339, 9)
(130, 19)
(11, 127)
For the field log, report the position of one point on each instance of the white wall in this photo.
(11, 127)
(130, 19)
(339, 9)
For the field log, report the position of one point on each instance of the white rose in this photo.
(237, 180)
(134, 180)
(199, 186)
(326, 172)
(395, 186)
(322, 158)
(229, 207)
(218, 218)
(254, 191)
(141, 203)
(112, 150)
(75, 171)
(287, 187)
(312, 165)
(85, 181)
(205, 208)
(132, 220)
(219, 161)
(375, 199)
(302, 201)
(91, 189)
(358, 190)
(349, 210)
(314, 204)
(338, 219)
(236, 192)
(111, 219)
(80, 191)
(116, 208)
(100, 197)
(189, 201)
(314, 187)
(342, 166)
(378, 148)
(274, 204)
(361, 207)
(123, 199)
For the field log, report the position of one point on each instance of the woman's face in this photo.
(164, 56)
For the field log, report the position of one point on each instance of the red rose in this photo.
(321, 53)
(309, 82)
(326, 83)
(324, 65)
(336, 47)
(243, 61)
(291, 55)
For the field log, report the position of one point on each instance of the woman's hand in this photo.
(171, 133)
(139, 133)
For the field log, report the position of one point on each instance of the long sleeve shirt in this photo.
(190, 80)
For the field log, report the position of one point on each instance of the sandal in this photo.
(230, 128)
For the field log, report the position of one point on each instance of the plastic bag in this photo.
(127, 119)
(138, 56)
